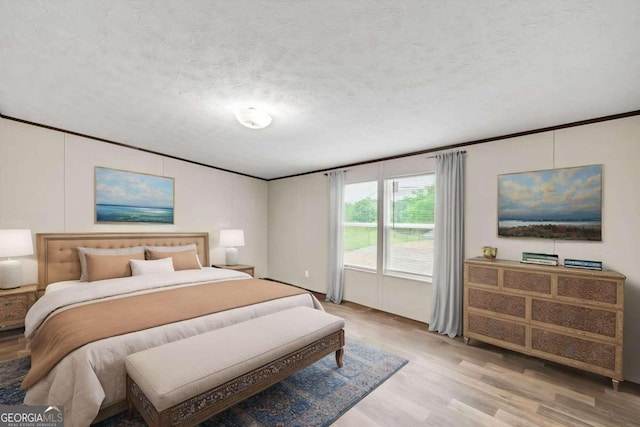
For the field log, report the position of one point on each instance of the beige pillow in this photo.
(100, 267)
(180, 248)
(82, 251)
(182, 260)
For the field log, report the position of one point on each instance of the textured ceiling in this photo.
(345, 81)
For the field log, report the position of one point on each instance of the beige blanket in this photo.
(75, 327)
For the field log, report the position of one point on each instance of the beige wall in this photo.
(47, 180)
(46, 184)
(298, 237)
(614, 144)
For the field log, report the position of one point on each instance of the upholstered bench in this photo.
(185, 382)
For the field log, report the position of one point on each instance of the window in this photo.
(361, 224)
(409, 223)
(408, 218)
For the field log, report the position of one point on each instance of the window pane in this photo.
(361, 224)
(410, 222)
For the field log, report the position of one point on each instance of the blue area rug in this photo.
(315, 396)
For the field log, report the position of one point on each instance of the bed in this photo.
(89, 381)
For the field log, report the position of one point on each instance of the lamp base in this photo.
(10, 274)
(232, 256)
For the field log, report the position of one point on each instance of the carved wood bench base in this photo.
(205, 405)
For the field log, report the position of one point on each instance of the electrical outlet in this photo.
(306, 274)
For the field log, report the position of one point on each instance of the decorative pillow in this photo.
(139, 267)
(174, 249)
(121, 251)
(183, 260)
(100, 267)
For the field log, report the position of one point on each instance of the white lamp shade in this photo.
(231, 238)
(15, 243)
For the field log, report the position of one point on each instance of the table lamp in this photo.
(230, 239)
(13, 243)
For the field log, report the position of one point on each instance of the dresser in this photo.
(14, 304)
(566, 315)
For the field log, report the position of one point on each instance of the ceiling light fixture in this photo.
(253, 118)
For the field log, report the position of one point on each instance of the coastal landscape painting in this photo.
(125, 197)
(564, 204)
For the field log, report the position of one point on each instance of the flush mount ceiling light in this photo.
(253, 118)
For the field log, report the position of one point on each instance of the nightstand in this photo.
(14, 304)
(239, 267)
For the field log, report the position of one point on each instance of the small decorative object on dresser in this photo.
(489, 252)
(537, 258)
(579, 263)
(249, 269)
(566, 315)
(15, 303)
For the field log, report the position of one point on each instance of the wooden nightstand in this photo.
(14, 304)
(240, 267)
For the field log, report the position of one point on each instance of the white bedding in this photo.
(62, 285)
(93, 376)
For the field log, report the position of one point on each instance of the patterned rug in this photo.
(315, 396)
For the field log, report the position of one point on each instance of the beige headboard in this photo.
(58, 257)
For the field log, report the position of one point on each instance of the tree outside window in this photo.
(408, 220)
(410, 204)
(361, 225)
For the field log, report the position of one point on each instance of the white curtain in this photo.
(335, 274)
(446, 308)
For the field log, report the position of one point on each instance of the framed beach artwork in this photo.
(129, 197)
(564, 204)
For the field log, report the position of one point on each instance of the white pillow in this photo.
(84, 276)
(140, 267)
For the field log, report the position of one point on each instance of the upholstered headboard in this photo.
(58, 257)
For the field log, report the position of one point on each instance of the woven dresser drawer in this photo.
(483, 275)
(511, 305)
(496, 329)
(14, 305)
(576, 349)
(589, 289)
(527, 281)
(588, 319)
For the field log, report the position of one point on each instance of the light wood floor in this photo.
(448, 383)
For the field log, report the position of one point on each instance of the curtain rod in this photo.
(343, 170)
(461, 151)
(429, 157)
